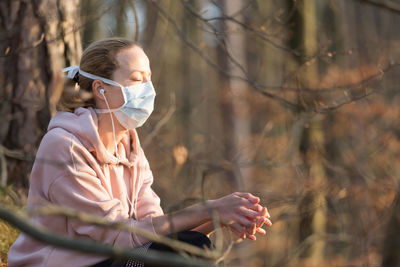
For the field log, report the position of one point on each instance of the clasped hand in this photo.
(243, 214)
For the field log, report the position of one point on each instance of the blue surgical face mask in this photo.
(138, 100)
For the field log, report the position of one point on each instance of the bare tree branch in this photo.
(95, 220)
(40, 234)
(161, 122)
(264, 89)
(284, 102)
(386, 4)
(378, 75)
(308, 242)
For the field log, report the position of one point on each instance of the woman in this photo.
(91, 160)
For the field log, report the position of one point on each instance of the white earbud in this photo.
(101, 91)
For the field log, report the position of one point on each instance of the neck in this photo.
(105, 130)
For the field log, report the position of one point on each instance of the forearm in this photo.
(186, 219)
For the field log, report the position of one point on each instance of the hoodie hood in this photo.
(82, 123)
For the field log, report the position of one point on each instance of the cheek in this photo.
(115, 98)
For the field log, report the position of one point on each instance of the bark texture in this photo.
(38, 38)
(313, 207)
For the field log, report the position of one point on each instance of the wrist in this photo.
(203, 211)
(209, 206)
(213, 212)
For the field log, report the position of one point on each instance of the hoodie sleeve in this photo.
(148, 202)
(79, 188)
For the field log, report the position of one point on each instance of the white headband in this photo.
(73, 70)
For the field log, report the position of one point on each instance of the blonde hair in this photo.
(99, 58)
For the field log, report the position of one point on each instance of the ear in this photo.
(97, 86)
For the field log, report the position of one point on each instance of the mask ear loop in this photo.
(112, 120)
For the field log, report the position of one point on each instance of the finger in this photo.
(265, 210)
(260, 209)
(267, 222)
(249, 197)
(237, 233)
(261, 231)
(252, 237)
(243, 236)
(263, 220)
(241, 231)
(250, 205)
(260, 221)
(236, 228)
(244, 221)
(252, 230)
(250, 214)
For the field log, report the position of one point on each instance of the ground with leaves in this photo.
(8, 234)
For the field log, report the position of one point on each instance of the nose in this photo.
(146, 77)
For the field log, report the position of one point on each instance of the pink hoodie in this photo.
(74, 169)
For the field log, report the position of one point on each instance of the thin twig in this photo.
(16, 154)
(161, 122)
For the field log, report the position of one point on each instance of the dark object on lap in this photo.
(190, 237)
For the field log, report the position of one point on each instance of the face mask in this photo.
(138, 100)
(138, 106)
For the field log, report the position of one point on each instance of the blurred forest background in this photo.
(296, 101)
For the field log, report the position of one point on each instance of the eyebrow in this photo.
(142, 71)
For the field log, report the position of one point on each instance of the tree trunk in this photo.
(150, 32)
(120, 17)
(187, 96)
(313, 207)
(391, 247)
(89, 12)
(39, 38)
(234, 97)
